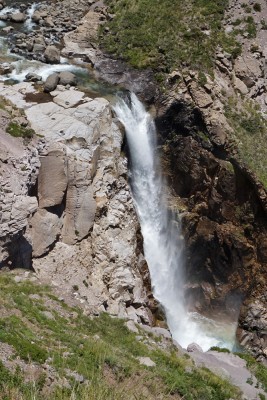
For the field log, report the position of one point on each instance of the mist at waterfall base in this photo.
(163, 244)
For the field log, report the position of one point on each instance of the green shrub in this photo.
(251, 27)
(17, 130)
(220, 349)
(257, 7)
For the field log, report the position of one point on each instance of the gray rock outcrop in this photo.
(19, 165)
(80, 224)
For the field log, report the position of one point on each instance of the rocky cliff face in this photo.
(68, 211)
(213, 163)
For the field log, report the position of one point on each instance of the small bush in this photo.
(202, 79)
(220, 349)
(257, 7)
(251, 27)
(17, 130)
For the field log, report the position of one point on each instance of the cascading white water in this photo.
(160, 230)
(29, 22)
(9, 10)
(22, 67)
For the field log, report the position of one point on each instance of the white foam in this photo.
(9, 10)
(29, 24)
(22, 67)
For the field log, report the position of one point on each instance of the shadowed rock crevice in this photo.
(223, 216)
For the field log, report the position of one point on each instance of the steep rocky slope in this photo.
(51, 349)
(212, 131)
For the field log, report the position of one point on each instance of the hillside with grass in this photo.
(52, 350)
(168, 34)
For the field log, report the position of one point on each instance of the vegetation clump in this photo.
(167, 34)
(220, 349)
(258, 369)
(257, 7)
(250, 130)
(17, 130)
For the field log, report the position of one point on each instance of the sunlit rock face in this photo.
(76, 220)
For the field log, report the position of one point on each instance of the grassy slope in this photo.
(171, 34)
(108, 361)
(167, 34)
(250, 132)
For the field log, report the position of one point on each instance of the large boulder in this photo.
(6, 68)
(52, 55)
(32, 77)
(67, 78)
(51, 83)
(18, 17)
(44, 231)
(36, 16)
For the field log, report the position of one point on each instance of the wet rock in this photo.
(36, 16)
(51, 82)
(67, 78)
(7, 29)
(38, 48)
(32, 77)
(52, 55)
(18, 17)
(6, 68)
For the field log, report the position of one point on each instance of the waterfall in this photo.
(160, 228)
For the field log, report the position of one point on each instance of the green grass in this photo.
(258, 369)
(13, 386)
(17, 130)
(250, 133)
(220, 349)
(108, 362)
(251, 27)
(167, 34)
